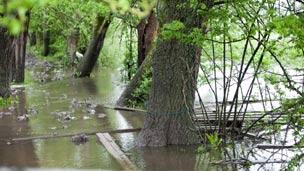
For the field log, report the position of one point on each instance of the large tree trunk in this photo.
(72, 43)
(147, 30)
(175, 70)
(21, 42)
(90, 57)
(6, 55)
(46, 43)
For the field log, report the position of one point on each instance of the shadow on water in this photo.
(90, 86)
(169, 158)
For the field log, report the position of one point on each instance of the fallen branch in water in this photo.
(73, 134)
(245, 162)
(273, 146)
(125, 109)
(253, 136)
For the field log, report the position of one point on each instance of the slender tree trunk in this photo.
(6, 55)
(92, 53)
(72, 43)
(134, 82)
(46, 43)
(175, 70)
(33, 39)
(21, 42)
(39, 38)
(129, 63)
(147, 33)
(147, 30)
(13, 65)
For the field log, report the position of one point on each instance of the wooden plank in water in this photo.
(125, 109)
(115, 151)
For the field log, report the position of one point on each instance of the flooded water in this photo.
(44, 103)
(77, 106)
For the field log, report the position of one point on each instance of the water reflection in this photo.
(90, 86)
(169, 158)
(49, 99)
(16, 154)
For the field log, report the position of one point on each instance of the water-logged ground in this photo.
(75, 106)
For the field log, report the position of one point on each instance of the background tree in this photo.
(20, 51)
(12, 16)
(92, 53)
(6, 56)
(147, 31)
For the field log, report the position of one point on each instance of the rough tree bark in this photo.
(175, 70)
(46, 43)
(91, 55)
(147, 30)
(20, 52)
(6, 55)
(72, 43)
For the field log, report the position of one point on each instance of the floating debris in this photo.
(7, 113)
(80, 139)
(47, 65)
(32, 111)
(69, 117)
(23, 118)
(58, 75)
(86, 118)
(91, 111)
(64, 96)
(41, 77)
(101, 115)
(53, 128)
(90, 104)
(64, 116)
(12, 108)
(76, 103)
(2, 114)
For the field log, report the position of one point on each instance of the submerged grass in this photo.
(5, 102)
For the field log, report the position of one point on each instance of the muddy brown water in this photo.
(75, 97)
